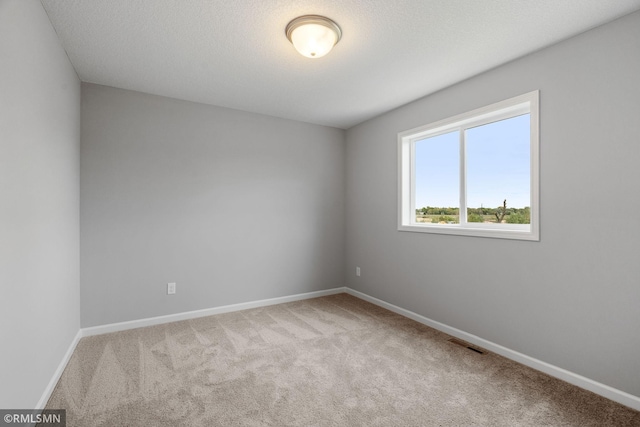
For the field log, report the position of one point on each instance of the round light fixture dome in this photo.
(312, 35)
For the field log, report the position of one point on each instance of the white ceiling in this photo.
(234, 53)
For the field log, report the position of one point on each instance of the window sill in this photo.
(513, 232)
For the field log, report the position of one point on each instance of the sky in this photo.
(498, 166)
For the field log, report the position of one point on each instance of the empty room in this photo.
(319, 213)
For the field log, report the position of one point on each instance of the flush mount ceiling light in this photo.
(313, 35)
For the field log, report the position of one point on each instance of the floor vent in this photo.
(466, 345)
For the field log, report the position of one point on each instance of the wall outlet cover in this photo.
(171, 288)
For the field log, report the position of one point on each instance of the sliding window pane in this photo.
(498, 171)
(437, 179)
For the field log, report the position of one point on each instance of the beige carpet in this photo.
(331, 361)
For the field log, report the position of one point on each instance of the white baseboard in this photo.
(570, 377)
(140, 323)
(58, 373)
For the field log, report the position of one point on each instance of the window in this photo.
(475, 174)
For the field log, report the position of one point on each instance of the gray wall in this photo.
(231, 206)
(572, 299)
(39, 206)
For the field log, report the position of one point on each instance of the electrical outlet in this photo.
(171, 288)
(358, 271)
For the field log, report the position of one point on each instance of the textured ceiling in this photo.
(235, 54)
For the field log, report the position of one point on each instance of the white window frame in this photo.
(523, 104)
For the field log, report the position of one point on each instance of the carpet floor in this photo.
(330, 361)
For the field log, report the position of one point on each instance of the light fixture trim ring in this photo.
(313, 19)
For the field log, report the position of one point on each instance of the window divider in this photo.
(462, 214)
